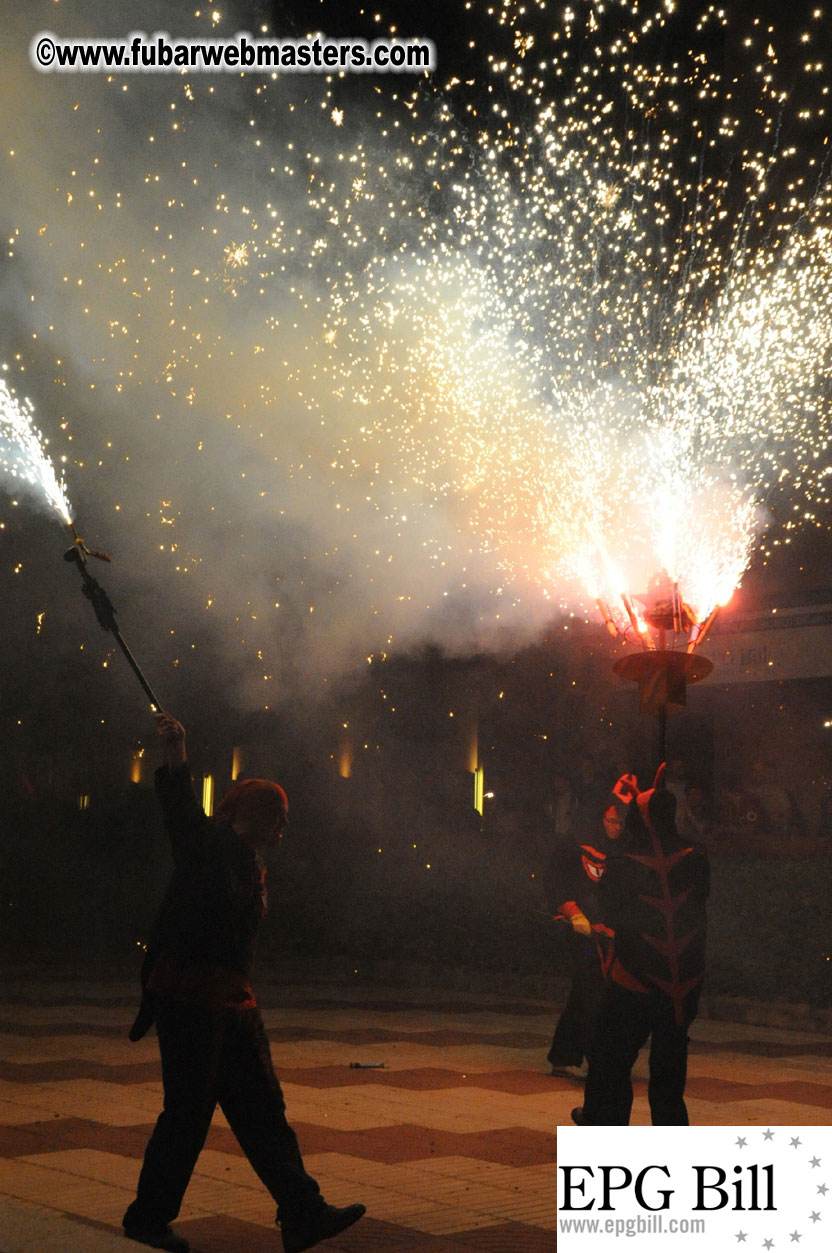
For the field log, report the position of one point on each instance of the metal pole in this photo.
(106, 615)
(663, 734)
(134, 665)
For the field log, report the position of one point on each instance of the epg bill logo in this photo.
(762, 1187)
(707, 1182)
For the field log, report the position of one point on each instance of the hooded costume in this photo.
(653, 895)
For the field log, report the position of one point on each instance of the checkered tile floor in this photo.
(451, 1145)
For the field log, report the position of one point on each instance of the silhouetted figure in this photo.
(694, 817)
(572, 881)
(591, 788)
(562, 809)
(766, 805)
(653, 895)
(196, 986)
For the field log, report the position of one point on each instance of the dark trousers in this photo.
(625, 1022)
(575, 1029)
(211, 1058)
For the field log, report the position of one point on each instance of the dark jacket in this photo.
(216, 898)
(201, 947)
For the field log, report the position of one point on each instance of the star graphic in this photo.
(741, 1236)
(768, 1135)
(823, 1189)
(815, 1161)
(794, 1236)
(815, 1216)
(768, 1244)
(741, 1142)
(795, 1142)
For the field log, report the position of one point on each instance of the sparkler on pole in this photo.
(23, 456)
(103, 607)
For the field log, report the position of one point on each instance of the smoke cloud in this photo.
(164, 304)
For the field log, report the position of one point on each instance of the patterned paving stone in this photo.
(451, 1145)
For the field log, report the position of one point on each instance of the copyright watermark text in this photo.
(161, 54)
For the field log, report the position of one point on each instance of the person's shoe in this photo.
(578, 1117)
(302, 1233)
(158, 1238)
(570, 1072)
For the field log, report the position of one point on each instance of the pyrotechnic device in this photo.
(662, 672)
(105, 612)
(23, 456)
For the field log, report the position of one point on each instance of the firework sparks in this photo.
(23, 456)
(591, 352)
(570, 312)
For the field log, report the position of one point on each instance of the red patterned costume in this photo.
(653, 895)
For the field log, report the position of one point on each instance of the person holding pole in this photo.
(654, 895)
(197, 989)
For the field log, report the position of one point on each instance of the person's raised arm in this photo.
(173, 735)
(184, 816)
